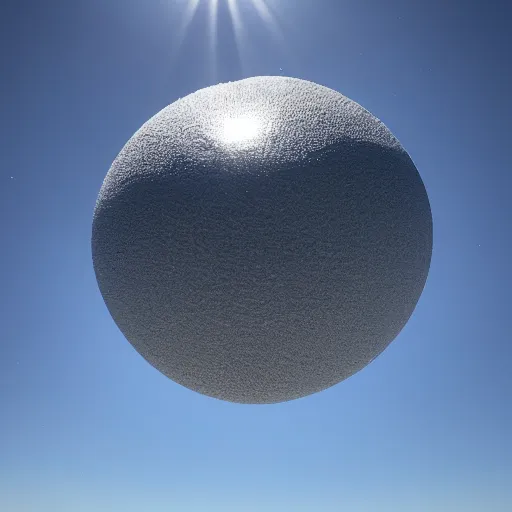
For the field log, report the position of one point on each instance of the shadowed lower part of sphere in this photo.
(262, 240)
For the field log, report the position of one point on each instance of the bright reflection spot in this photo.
(240, 129)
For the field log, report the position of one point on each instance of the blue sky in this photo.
(86, 424)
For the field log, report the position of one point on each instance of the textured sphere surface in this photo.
(262, 240)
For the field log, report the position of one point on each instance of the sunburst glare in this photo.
(179, 37)
(236, 12)
(236, 22)
(212, 33)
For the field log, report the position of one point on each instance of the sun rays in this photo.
(237, 11)
(213, 15)
(188, 16)
(236, 22)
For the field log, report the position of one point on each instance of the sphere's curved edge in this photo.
(155, 222)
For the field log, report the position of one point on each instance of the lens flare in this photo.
(181, 33)
(237, 13)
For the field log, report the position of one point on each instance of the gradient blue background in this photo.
(87, 425)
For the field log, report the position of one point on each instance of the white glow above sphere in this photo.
(262, 240)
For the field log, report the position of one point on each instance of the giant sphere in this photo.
(262, 240)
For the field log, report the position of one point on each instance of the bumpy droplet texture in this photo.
(262, 240)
